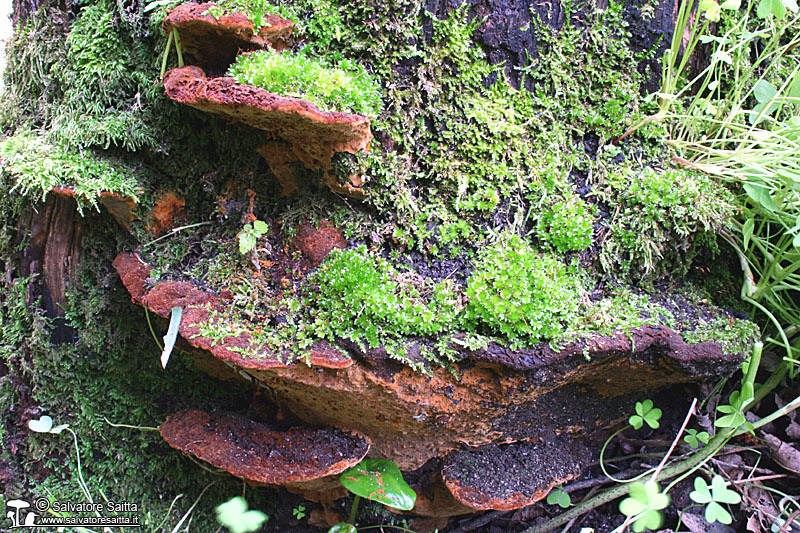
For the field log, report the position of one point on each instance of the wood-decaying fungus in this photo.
(198, 306)
(119, 206)
(297, 130)
(512, 476)
(500, 396)
(298, 458)
(213, 42)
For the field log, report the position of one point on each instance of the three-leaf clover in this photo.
(713, 498)
(734, 417)
(645, 502)
(299, 512)
(560, 498)
(234, 515)
(693, 438)
(645, 412)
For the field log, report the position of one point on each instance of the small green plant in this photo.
(378, 480)
(694, 438)
(345, 86)
(645, 412)
(567, 225)
(522, 295)
(733, 412)
(299, 512)
(713, 498)
(249, 235)
(560, 498)
(644, 505)
(234, 515)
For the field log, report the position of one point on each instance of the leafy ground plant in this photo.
(379, 480)
(644, 506)
(713, 497)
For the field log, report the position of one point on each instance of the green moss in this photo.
(359, 296)
(585, 72)
(38, 167)
(734, 334)
(103, 83)
(255, 10)
(665, 217)
(567, 225)
(526, 297)
(345, 87)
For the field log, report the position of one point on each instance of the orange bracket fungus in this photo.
(210, 41)
(261, 454)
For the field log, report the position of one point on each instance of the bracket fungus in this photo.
(214, 41)
(500, 396)
(296, 130)
(119, 206)
(198, 306)
(300, 459)
(514, 475)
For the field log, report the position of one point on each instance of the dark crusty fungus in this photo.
(262, 454)
(514, 475)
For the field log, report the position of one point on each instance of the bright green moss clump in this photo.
(567, 225)
(664, 218)
(346, 87)
(361, 297)
(527, 297)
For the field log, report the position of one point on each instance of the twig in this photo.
(480, 521)
(677, 438)
(761, 478)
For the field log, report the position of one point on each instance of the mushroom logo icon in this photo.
(14, 507)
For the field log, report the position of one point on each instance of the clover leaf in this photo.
(234, 515)
(771, 7)
(380, 480)
(645, 503)
(693, 438)
(734, 417)
(44, 424)
(645, 412)
(560, 498)
(713, 498)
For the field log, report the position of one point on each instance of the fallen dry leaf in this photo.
(783, 454)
